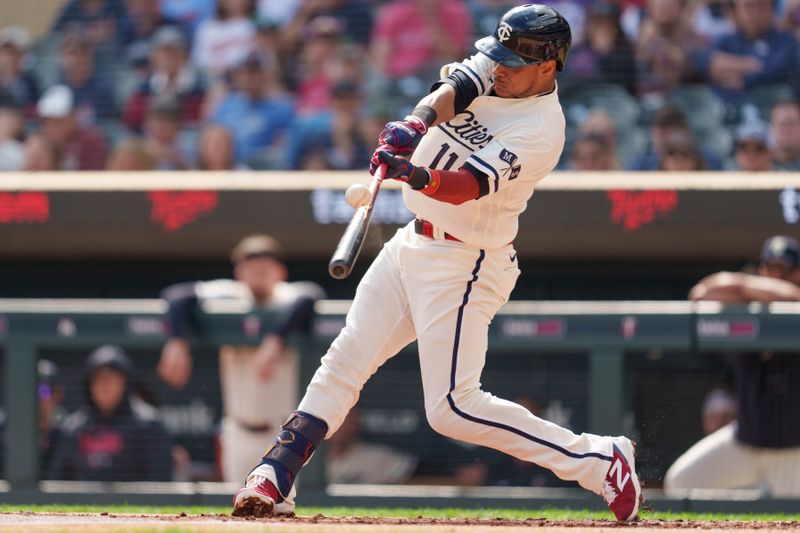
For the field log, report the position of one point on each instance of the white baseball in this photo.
(357, 195)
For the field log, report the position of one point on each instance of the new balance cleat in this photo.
(260, 497)
(621, 488)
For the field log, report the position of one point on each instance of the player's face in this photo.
(524, 81)
(778, 269)
(261, 274)
(107, 388)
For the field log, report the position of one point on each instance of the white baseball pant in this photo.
(719, 461)
(445, 294)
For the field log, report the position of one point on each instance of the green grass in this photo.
(552, 514)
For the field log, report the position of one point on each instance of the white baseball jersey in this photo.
(514, 141)
(444, 294)
(244, 394)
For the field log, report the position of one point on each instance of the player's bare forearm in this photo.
(442, 101)
(736, 287)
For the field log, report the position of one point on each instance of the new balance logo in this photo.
(621, 481)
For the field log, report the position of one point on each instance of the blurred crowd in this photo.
(307, 84)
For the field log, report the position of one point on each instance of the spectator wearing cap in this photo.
(15, 78)
(111, 438)
(412, 36)
(259, 384)
(762, 448)
(255, 115)
(170, 74)
(605, 56)
(12, 123)
(225, 39)
(591, 152)
(146, 19)
(80, 147)
(757, 54)
(163, 137)
(101, 21)
(751, 151)
(92, 94)
(342, 132)
(784, 134)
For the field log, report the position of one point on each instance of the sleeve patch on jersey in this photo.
(512, 170)
(508, 157)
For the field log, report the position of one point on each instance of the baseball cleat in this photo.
(260, 498)
(621, 488)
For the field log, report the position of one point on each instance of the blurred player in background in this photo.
(762, 448)
(114, 437)
(491, 128)
(259, 384)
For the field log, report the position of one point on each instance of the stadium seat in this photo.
(702, 107)
(718, 141)
(613, 98)
(633, 142)
(765, 97)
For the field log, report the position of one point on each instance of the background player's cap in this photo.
(781, 248)
(109, 356)
(527, 35)
(258, 245)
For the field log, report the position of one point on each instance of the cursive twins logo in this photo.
(473, 133)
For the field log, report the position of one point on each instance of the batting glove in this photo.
(403, 135)
(401, 169)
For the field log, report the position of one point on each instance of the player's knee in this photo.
(677, 479)
(444, 420)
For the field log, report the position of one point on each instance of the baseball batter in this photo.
(490, 129)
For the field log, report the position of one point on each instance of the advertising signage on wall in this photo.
(594, 220)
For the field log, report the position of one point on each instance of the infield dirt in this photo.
(107, 523)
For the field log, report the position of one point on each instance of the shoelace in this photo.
(254, 479)
(609, 493)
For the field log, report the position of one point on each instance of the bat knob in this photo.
(337, 270)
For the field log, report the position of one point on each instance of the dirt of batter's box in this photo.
(101, 521)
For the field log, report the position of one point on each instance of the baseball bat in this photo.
(349, 246)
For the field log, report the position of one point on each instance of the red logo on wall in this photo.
(173, 210)
(634, 209)
(24, 208)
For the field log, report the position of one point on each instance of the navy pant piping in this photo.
(477, 420)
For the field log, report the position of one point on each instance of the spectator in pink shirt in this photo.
(412, 35)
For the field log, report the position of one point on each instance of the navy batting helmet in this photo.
(527, 35)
